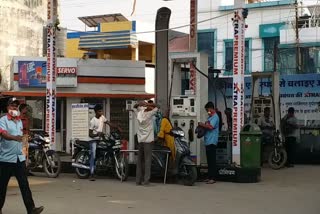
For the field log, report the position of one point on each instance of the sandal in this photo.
(211, 182)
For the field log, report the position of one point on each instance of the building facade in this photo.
(92, 81)
(271, 30)
(113, 38)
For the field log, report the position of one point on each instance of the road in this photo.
(288, 191)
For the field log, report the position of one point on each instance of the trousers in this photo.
(211, 160)
(18, 170)
(93, 148)
(143, 171)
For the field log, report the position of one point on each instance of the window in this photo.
(206, 43)
(286, 62)
(229, 57)
(269, 50)
(37, 121)
(310, 58)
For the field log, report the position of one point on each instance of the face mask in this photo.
(14, 113)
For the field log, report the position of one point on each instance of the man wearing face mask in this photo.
(12, 160)
(211, 140)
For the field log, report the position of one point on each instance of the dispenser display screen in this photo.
(178, 102)
(183, 106)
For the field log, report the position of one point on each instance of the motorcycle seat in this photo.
(83, 143)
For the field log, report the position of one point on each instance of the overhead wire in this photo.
(155, 31)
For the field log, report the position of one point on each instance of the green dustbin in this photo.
(250, 146)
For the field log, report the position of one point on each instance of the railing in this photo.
(305, 23)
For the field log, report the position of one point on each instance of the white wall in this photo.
(288, 36)
(21, 31)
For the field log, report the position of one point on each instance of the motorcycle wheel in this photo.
(123, 170)
(82, 158)
(277, 160)
(52, 167)
(191, 175)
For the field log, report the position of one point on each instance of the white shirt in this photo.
(145, 124)
(97, 125)
(266, 124)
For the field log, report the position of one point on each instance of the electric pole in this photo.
(298, 63)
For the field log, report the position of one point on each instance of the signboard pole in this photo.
(51, 71)
(238, 75)
(193, 42)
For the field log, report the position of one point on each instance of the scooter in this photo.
(183, 167)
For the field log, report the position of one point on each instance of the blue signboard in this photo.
(301, 91)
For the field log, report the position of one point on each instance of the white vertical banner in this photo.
(51, 72)
(238, 78)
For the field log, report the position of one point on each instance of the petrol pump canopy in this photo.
(94, 21)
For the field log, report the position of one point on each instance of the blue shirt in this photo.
(212, 136)
(11, 150)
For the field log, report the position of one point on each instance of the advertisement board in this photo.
(80, 121)
(33, 74)
(300, 91)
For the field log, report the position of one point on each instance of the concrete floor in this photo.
(288, 191)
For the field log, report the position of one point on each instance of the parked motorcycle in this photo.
(184, 168)
(42, 156)
(277, 158)
(108, 157)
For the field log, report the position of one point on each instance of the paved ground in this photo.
(288, 191)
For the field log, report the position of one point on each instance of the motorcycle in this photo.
(183, 167)
(42, 156)
(108, 157)
(277, 158)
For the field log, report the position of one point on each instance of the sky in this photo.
(145, 12)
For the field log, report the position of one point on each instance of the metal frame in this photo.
(275, 93)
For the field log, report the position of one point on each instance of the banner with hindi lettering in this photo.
(300, 91)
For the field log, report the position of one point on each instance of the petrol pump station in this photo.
(187, 101)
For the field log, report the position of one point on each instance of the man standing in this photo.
(12, 160)
(144, 112)
(266, 122)
(289, 126)
(95, 133)
(211, 140)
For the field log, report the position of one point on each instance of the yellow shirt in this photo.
(164, 133)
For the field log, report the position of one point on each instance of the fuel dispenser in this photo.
(187, 101)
